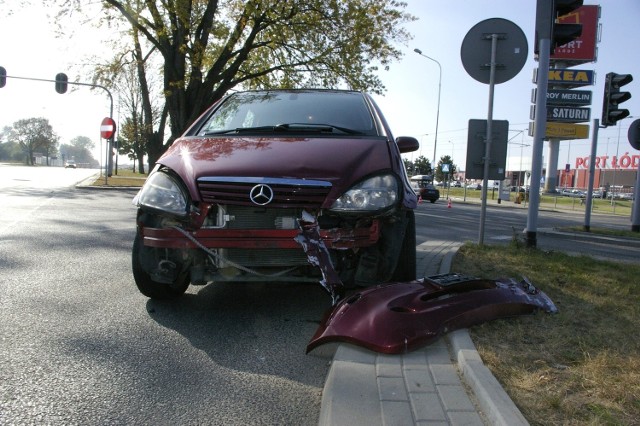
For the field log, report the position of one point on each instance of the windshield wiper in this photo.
(291, 127)
(320, 127)
(245, 130)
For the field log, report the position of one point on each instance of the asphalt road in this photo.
(80, 344)
(503, 223)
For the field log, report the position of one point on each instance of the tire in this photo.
(149, 287)
(406, 266)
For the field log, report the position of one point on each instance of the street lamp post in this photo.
(435, 143)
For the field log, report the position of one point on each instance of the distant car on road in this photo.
(428, 192)
(424, 188)
(70, 164)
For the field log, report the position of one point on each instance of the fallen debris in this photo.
(400, 317)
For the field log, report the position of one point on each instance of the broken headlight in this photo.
(164, 193)
(375, 193)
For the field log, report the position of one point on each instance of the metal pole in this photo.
(538, 141)
(435, 143)
(635, 212)
(592, 172)
(487, 149)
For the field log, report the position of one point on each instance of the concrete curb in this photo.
(494, 402)
(435, 385)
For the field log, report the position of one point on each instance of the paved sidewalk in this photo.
(445, 383)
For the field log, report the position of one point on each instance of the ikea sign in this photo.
(573, 77)
(569, 77)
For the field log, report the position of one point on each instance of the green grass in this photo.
(548, 202)
(603, 231)
(125, 177)
(579, 366)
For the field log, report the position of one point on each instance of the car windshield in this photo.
(328, 112)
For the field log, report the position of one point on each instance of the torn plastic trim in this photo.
(400, 317)
(318, 255)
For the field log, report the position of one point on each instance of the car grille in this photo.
(287, 193)
(255, 217)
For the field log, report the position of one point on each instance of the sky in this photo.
(409, 103)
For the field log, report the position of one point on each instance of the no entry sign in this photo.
(107, 128)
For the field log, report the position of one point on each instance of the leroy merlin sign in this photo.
(565, 97)
(568, 97)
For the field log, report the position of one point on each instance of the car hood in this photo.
(340, 161)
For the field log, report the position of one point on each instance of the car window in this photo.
(247, 110)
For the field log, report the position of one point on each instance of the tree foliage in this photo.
(208, 47)
(422, 166)
(131, 141)
(9, 150)
(82, 142)
(34, 135)
(79, 150)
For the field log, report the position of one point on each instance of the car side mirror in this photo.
(407, 144)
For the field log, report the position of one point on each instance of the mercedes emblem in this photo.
(261, 194)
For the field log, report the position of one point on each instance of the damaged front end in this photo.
(399, 317)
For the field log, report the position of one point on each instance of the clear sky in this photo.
(29, 48)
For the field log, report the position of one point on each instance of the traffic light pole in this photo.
(539, 131)
(592, 172)
(108, 159)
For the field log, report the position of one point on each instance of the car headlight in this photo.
(376, 193)
(162, 192)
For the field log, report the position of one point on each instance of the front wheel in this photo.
(144, 282)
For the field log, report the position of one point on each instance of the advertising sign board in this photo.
(583, 49)
(568, 97)
(571, 77)
(564, 130)
(568, 114)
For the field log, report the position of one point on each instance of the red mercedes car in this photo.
(225, 201)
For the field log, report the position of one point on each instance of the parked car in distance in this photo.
(223, 203)
(620, 195)
(575, 193)
(428, 192)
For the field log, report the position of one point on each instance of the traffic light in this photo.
(3, 76)
(547, 12)
(613, 97)
(562, 34)
(61, 83)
